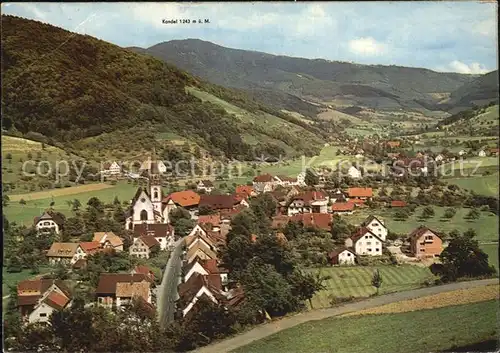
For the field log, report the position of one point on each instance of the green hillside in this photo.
(70, 87)
(479, 121)
(375, 86)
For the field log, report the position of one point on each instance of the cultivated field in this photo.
(24, 214)
(456, 297)
(356, 281)
(81, 189)
(411, 332)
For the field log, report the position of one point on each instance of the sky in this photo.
(442, 36)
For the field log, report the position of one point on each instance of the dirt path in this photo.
(265, 330)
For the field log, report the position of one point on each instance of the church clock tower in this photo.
(155, 188)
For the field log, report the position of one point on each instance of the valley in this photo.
(178, 195)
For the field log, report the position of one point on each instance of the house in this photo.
(398, 203)
(285, 181)
(301, 179)
(337, 195)
(65, 253)
(342, 256)
(308, 202)
(494, 152)
(482, 153)
(205, 268)
(462, 153)
(118, 289)
(222, 202)
(264, 183)
(279, 222)
(200, 250)
(354, 173)
(144, 270)
(364, 242)
(187, 199)
(164, 233)
(246, 190)
(198, 286)
(316, 220)
(376, 226)
(343, 208)
(38, 299)
(49, 221)
(150, 165)
(205, 185)
(360, 193)
(424, 242)
(214, 220)
(111, 168)
(143, 246)
(108, 240)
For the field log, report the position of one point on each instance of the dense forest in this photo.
(69, 87)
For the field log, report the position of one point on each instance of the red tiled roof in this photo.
(286, 178)
(149, 241)
(190, 288)
(212, 267)
(398, 203)
(81, 263)
(218, 201)
(418, 232)
(213, 219)
(360, 232)
(56, 300)
(310, 196)
(186, 198)
(356, 202)
(263, 178)
(145, 270)
(90, 246)
(156, 230)
(336, 252)
(279, 221)
(107, 281)
(360, 192)
(28, 300)
(319, 220)
(343, 206)
(245, 189)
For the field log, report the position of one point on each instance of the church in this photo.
(146, 206)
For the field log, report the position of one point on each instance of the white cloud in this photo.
(463, 68)
(367, 46)
(487, 28)
(313, 20)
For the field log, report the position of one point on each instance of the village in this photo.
(149, 219)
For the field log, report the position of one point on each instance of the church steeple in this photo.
(154, 181)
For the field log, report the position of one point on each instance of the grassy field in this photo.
(440, 300)
(411, 332)
(492, 251)
(486, 185)
(11, 279)
(486, 226)
(24, 214)
(80, 189)
(356, 281)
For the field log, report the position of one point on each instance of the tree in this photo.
(22, 202)
(340, 229)
(60, 272)
(116, 201)
(450, 213)
(463, 258)
(96, 204)
(73, 227)
(427, 212)
(377, 280)
(400, 215)
(473, 214)
(205, 210)
(76, 205)
(5, 200)
(183, 226)
(304, 286)
(311, 178)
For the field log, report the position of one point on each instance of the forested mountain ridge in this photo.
(69, 87)
(373, 86)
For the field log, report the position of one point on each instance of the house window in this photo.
(422, 250)
(377, 249)
(43, 314)
(375, 224)
(156, 195)
(368, 243)
(348, 254)
(130, 226)
(369, 250)
(144, 215)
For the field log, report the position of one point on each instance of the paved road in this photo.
(268, 329)
(167, 291)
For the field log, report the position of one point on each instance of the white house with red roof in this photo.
(376, 226)
(308, 202)
(364, 242)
